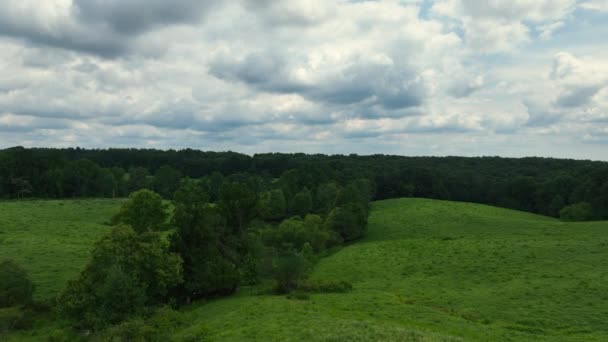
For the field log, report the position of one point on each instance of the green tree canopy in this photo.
(206, 244)
(302, 203)
(167, 181)
(127, 270)
(144, 211)
(238, 202)
(577, 212)
(272, 205)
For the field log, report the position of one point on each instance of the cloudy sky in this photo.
(409, 77)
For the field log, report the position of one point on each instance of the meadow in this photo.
(52, 238)
(427, 271)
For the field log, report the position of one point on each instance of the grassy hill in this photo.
(52, 239)
(428, 271)
(434, 270)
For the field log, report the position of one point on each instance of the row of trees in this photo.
(539, 185)
(217, 234)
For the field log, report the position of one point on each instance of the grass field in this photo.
(428, 271)
(52, 239)
(432, 270)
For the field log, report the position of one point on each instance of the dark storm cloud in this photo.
(577, 96)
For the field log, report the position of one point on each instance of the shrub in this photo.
(289, 271)
(16, 287)
(200, 333)
(60, 335)
(134, 330)
(326, 287)
(298, 295)
(155, 328)
(14, 319)
(577, 212)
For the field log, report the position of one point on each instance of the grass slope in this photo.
(52, 239)
(434, 270)
(427, 271)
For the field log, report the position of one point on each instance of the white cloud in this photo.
(313, 76)
(595, 5)
(502, 25)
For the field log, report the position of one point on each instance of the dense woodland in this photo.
(539, 185)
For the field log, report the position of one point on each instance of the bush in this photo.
(60, 335)
(16, 287)
(200, 333)
(298, 296)
(14, 319)
(155, 328)
(289, 271)
(134, 330)
(577, 212)
(326, 287)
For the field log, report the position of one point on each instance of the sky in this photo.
(510, 78)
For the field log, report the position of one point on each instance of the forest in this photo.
(577, 189)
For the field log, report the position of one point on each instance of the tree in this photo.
(348, 220)
(127, 270)
(22, 186)
(144, 211)
(138, 179)
(325, 198)
(214, 185)
(166, 181)
(302, 203)
(190, 193)
(290, 269)
(272, 205)
(16, 287)
(577, 212)
(238, 203)
(121, 295)
(294, 233)
(119, 181)
(207, 246)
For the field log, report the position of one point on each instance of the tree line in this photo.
(574, 189)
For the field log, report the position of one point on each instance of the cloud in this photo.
(465, 87)
(108, 28)
(136, 16)
(502, 25)
(595, 5)
(541, 114)
(576, 97)
(389, 76)
(578, 79)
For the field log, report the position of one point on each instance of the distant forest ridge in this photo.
(540, 185)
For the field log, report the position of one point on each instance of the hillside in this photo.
(427, 270)
(52, 239)
(434, 270)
